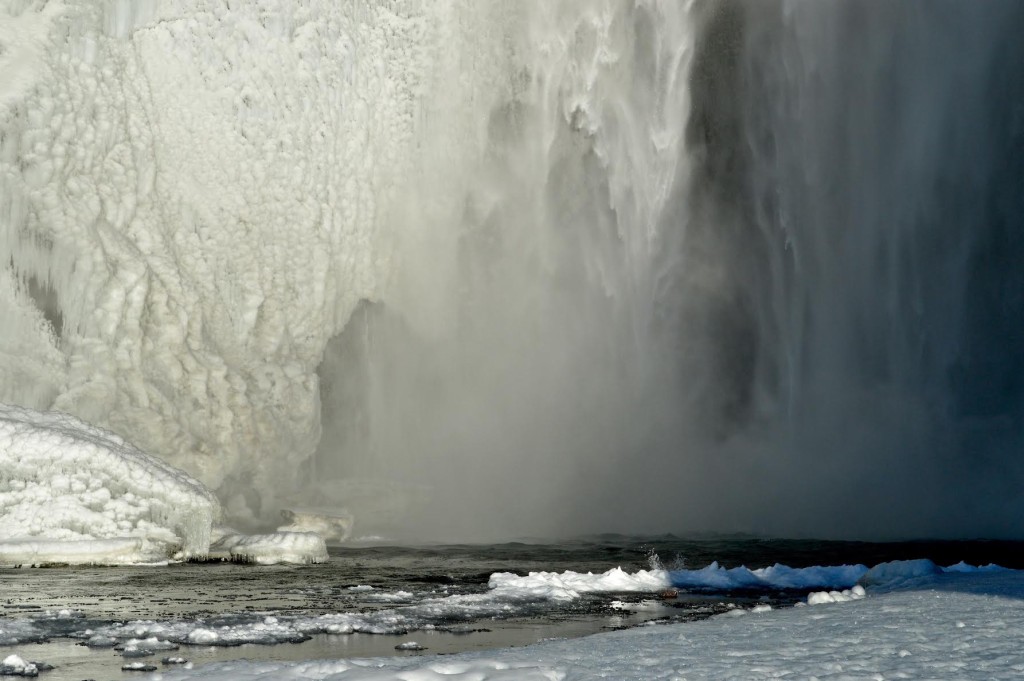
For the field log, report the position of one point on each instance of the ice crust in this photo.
(73, 493)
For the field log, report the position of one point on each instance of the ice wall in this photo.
(199, 193)
(196, 194)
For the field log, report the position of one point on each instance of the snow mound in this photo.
(65, 484)
(270, 549)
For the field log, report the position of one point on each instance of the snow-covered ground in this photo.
(942, 625)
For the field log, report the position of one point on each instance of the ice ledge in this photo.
(74, 493)
(300, 548)
(71, 493)
(120, 551)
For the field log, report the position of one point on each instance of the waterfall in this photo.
(474, 269)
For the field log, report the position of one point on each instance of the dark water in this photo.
(230, 594)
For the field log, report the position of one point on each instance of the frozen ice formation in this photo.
(117, 551)
(73, 493)
(272, 548)
(196, 195)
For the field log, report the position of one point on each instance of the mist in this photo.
(475, 271)
(806, 322)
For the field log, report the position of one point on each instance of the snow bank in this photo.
(73, 493)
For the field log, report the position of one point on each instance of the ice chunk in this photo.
(269, 549)
(15, 666)
(144, 647)
(98, 641)
(844, 596)
(203, 637)
(71, 492)
(138, 667)
(410, 646)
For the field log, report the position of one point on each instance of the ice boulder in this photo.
(73, 493)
